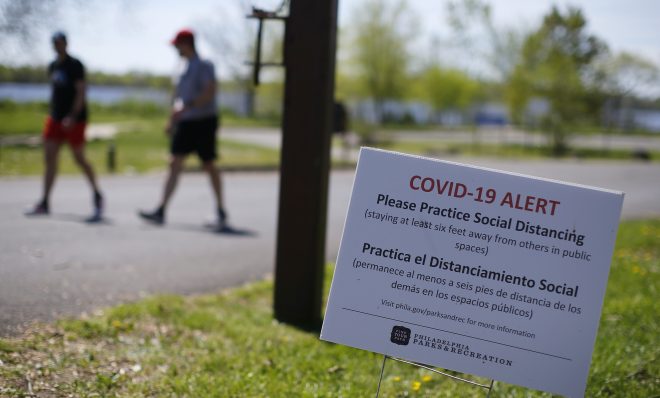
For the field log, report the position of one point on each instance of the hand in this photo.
(170, 127)
(175, 115)
(171, 123)
(68, 122)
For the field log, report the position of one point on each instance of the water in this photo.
(647, 119)
(108, 95)
(29, 92)
(236, 101)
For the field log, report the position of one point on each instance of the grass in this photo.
(229, 345)
(140, 146)
(28, 118)
(21, 120)
(137, 151)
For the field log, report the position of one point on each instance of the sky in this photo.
(121, 35)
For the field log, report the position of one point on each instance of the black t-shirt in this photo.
(63, 77)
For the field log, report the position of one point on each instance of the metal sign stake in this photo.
(488, 387)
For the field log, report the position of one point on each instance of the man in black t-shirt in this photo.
(66, 121)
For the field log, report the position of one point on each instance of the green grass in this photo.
(28, 118)
(21, 119)
(141, 146)
(136, 152)
(229, 345)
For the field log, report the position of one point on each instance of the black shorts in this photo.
(196, 135)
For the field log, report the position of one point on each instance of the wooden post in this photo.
(309, 57)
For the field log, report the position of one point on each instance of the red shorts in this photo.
(54, 130)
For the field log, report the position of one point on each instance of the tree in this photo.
(19, 19)
(21, 22)
(232, 44)
(628, 74)
(473, 33)
(623, 78)
(492, 52)
(380, 50)
(447, 88)
(555, 64)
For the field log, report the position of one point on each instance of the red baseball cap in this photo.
(183, 35)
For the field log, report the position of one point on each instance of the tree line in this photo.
(38, 74)
(559, 63)
(553, 76)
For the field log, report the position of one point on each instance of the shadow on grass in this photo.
(306, 327)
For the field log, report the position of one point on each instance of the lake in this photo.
(238, 101)
(107, 95)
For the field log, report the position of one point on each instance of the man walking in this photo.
(66, 121)
(192, 126)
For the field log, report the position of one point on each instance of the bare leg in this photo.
(176, 166)
(216, 183)
(158, 216)
(85, 166)
(51, 154)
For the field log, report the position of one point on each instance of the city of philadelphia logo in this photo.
(400, 335)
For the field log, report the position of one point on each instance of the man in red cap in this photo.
(66, 122)
(192, 126)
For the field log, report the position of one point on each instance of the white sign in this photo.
(476, 270)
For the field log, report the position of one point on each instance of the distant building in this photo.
(417, 112)
(646, 119)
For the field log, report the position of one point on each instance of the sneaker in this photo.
(222, 225)
(97, 215)
(155, 217)
(40, 209)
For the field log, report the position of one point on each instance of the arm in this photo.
(204, 97)
(78, 103)
(169, 126)
(80, 87)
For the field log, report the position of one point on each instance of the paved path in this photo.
(510, 136)
(58, 265)
(270, 137)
